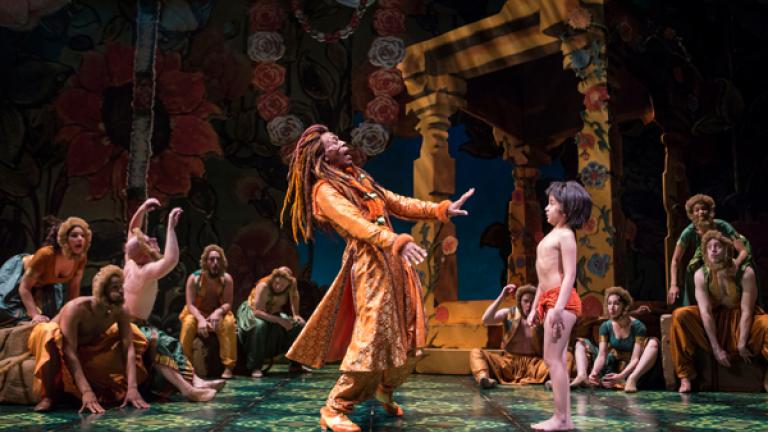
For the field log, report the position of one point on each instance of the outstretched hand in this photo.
(455, 208)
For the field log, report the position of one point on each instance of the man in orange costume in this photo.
(372, 315)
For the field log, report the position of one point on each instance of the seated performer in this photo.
(90, 350)
(625, 354)
(263, 329)
(32, 286)
(726, 321)
(519, 363)
(209, 308)
(144, 266)
(701, 211)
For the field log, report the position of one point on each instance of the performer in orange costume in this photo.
(372, 315)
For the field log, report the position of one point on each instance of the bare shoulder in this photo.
(698, 277)
(228, 278)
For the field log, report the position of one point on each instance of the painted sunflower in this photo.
(95, 119)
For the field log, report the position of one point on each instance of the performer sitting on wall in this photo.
(263, 330)
(726, 322)
(521, 361)
(209, 294)
(371, 316)
(90, 350)
(701, 211)
(557, 303)
(144, 266)
(625, 354)
(32, 286)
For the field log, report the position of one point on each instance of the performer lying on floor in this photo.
(32, 287)
(521, 361)
(90, 350)
(372, 316)
(624, 355)
(263, 330)
(209, 308)
(144, 266)
(726, 322)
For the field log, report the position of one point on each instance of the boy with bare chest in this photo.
(557, 303)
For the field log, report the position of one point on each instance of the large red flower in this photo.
(95, 116)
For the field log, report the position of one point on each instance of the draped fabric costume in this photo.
(689, 237)
(687, 331)
(511, 367)
(549, 300)
(260, 339)
(372, 316)
(164, 350)
(49, 290)
(102, 360)
(226, 331)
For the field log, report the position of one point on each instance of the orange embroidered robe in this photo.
(372, 316)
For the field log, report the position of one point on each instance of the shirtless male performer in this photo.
(144, 266)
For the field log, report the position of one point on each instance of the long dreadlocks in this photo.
(307, 165)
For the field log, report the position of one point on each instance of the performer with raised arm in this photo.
(372, 315)
(144, 266)
(557, 302)
(521, 361)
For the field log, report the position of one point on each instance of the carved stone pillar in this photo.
(434, 174)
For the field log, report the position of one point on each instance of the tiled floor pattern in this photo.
(279, 402)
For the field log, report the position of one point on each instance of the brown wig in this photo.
(521, 291)
(574, 200)
(699, 199)
(139, 241)
(306, 166)
(62, 237)
(101, 279)
(204, 257)
(727, 246)
(624, 296)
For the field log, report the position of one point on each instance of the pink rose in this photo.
(579, 18)
(267, 16)
(272, 104)
(596, 97)
(387, 82)
(268, 76)
(585, 140)
(388, 22)
(383, 109)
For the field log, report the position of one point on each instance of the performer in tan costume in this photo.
(372, 316)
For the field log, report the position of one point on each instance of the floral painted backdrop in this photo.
(235, 83)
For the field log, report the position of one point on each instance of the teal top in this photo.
(636, 334)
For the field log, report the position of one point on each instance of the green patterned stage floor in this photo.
(280, 402)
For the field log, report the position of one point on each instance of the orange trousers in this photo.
(355, 387)
(686, 334)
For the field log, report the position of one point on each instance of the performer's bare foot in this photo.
(631, 385)
(200, 394)
(45, 404)
(580, 381)
(553, 424)
(685, 385)
(487, 383)
(257, 373)
(212, 384)
(227, 374)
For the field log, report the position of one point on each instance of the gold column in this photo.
(434, 174)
